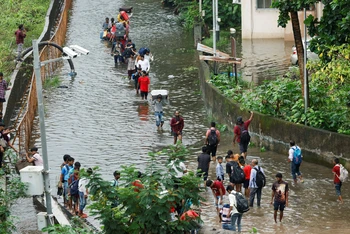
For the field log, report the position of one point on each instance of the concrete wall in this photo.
(318, 146)
(262, 23)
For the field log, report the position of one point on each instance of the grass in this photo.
(222, 44)
(52, 82)
(13, 12)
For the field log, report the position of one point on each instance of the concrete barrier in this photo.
(318, 146)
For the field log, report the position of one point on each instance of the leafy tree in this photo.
(333, 29)
(130, 209)
(289, 11)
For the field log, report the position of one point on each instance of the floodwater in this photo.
(100, 121)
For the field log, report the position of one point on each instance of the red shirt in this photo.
(177, 127)
(19, 36)
(138, 185)
(217, 186)
(144, 82)
(336, 169)
(247, 169)
(237, 130)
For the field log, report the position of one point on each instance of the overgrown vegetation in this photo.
(229, 13)
(75, 228)
(28, 12)
(130, 209)
(52, 82)
(329, 94)
(13, 190)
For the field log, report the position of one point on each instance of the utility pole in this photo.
(37, 67)
(306, 79)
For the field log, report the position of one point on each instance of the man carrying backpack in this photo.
(236, 207)
(256, 183)
(295, 159)
(242, 136)
(212, 140)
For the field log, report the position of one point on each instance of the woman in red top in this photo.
(337, 182)
(144, 83)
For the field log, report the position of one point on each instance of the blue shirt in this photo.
(252, 183)
(65, 172)
(219, 171)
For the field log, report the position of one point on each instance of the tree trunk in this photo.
(299, 46)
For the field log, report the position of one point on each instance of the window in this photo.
(264, 3)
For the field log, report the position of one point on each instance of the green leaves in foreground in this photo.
(144, 205)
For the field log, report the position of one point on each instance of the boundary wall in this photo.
(318, 146)
(56, 22)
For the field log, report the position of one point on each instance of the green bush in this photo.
(146, 210)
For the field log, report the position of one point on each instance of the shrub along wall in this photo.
(318, 146)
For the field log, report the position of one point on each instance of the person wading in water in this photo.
(177, 124)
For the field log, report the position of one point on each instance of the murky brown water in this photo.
(100, 121)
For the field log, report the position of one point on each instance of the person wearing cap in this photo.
(3, 88)
(145, 85)
(279, 197)
(238, 129)
(158, 111)
(36, 158)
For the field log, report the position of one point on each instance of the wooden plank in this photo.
(207, 49)
(230, 60)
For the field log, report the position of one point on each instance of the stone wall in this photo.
(317, 145)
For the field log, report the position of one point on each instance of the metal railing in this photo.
(25, 126)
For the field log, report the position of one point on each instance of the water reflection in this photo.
(143, 111)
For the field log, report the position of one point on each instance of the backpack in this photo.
(74, 189)
(120, 30)
(242, 205)
(297, 155)
(127, 53)
(143, 51)
(245, 137)
(237, 174)
(343, 176)
(212, 138)
(260, 179)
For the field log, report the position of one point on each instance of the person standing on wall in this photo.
(20, 35)
(177, 124)
(3, 88)
(279, 198)
(212, 140)
(241, 134)
(295, 159)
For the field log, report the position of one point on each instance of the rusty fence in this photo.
(25, 125)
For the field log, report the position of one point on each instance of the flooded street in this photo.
(100, 121)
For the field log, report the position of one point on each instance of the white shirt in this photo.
(252, 183)
(144, 64)
(38, 160)
(233, 202)
(149, 57)
(82, 185)
(291, 153)
(175, 167)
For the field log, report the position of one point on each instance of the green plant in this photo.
(262, 149)
(130, 209)
(52, 82)
(75, 228)
(14, 190)
(254, 230)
